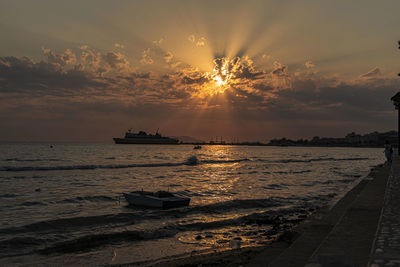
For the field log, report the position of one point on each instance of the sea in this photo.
(62, 203)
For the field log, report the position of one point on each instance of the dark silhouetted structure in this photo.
(143, 138)
(374, 139)
(396, 103)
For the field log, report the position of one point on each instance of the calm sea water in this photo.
(63, 201)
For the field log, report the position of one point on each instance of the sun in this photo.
(221, 74)
(221, 78)
(219, 81)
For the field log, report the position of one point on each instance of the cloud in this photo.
(241, 68)
(265, 57)
(176, 64)
(117, 45)
(306, 99)
(25, 76)
(191, 38)
(116, 60)
(146, 59)
(372, 73)
(201, 41)
(168, 57)
(102, 84)
(59, 60)
(159, 41)
(279, 69)
(60, 74)
(90, 60)
(309, 64)
(201, 79)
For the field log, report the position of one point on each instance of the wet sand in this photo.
(324, 238)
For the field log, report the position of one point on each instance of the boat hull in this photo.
(146, 141)
(146, 199)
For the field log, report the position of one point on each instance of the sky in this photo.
(243, 70)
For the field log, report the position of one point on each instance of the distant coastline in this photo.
(374, 139)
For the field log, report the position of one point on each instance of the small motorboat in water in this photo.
(159, 199)
(197, 147)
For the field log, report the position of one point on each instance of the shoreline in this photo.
(4, 142)
(293, 247)
(269, 145)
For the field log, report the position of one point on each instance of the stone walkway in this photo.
(386, 251)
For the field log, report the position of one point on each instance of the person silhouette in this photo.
(388, 152)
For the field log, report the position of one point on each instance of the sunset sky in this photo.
(253, 70)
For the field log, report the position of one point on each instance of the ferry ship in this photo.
(143, 138)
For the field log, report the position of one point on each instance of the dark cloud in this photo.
(279, 69)
(146, 58)
(168, 57)
(309, 64)
(236, 68)
(116, 60)
(263, 87)
(59, 60)
(199, 81)
(97, 85)
(18, 75)
(351, 102)
(372, 73)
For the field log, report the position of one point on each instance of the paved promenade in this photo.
(386, 250)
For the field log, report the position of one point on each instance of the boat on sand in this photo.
(159, 199)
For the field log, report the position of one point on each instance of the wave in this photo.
(319, 159)
(138, 214)
(282, 217)
(71, 223)
(17, 246)
(224, 161)
(8, 196)
(33, 203)
(64, 201)
(292, 172)
(193, 160)
(309, 160)
(190, 162)
(352, 175)
(87, 198)
(30, 160)
(332, 181)
(275, 186)
(86, 241)
(111, 229)
(83, 167)
(92, 241)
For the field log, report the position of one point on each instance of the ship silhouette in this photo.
(143, 138)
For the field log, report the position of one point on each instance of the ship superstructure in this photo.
(143, 138)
